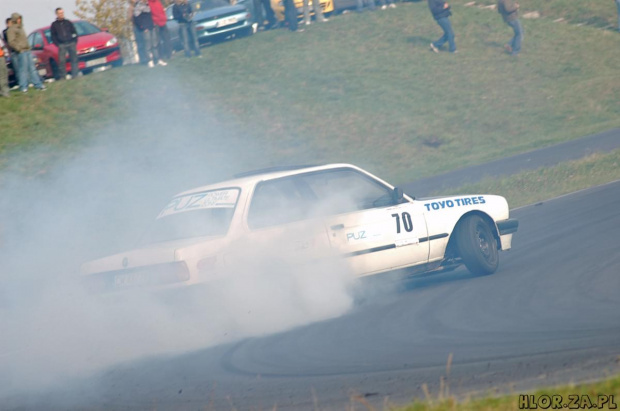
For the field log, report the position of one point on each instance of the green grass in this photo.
(537, 185)
(362, 89)
(511, 402)
(592, 12)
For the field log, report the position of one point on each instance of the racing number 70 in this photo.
(407, 223)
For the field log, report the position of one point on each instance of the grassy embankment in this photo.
(511, 402)
(361, 89)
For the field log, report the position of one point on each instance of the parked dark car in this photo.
(215, 20)
(96, 49)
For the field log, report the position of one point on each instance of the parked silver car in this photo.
(215, 20)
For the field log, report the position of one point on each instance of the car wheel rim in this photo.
(483, 243)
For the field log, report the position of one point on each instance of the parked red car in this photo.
(96, 48)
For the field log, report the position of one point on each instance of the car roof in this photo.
(72, 21)
(251, 178)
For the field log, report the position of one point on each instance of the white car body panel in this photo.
(372, 240)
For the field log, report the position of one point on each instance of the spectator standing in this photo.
(144, 23)
(65, 37)
(618, 7)
(441, 13)
(183, 14)
(8, 24)
(6, 43)
(290, 15)
(4, 75)
(161, 30)
(18, 42)
(509, 9)
(259, 6)
(318, 11)
(136, 33)
(370, 5)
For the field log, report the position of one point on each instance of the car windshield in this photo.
(83, 28)
(202, 214)
(209, 4)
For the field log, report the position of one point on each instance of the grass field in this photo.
(580, 394)
(362, 89)
(537, 185)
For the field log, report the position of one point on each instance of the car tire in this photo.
(477, 245)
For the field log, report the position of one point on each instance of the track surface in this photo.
(544, 157)
(550, 314)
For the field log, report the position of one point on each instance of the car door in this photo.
(366, 224)
(282, 225)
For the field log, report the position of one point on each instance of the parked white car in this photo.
(311, 212)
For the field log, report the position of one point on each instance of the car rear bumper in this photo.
(508, 226)
(506, 229)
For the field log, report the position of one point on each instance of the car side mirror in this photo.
(37, 47)
(397, 195)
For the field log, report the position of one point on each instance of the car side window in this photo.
(37, 39)
(277, 202)
(346, 190)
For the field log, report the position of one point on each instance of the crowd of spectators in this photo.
(152, 37)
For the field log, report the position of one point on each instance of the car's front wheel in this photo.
(477, 245)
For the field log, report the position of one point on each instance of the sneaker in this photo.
(42, 88)
(434, 49)
(384, 7)
(162, 63)
(307, 23)
(151, 64)
(325, 20)
(392, 6)
(24, 90)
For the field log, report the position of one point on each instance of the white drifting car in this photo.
(311, 212)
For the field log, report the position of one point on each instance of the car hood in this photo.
(93, 40)
(218, 12)
(155, 254)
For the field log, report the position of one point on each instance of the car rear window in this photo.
(202, 214)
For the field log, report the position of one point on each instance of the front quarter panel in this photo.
(444, 213)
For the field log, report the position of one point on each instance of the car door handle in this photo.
(337, 227)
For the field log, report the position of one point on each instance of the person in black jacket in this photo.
(183, 14)
(441, 12)
(65, 38)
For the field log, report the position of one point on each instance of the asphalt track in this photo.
(544, 157)
(550, 314)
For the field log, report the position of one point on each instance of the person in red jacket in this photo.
(161, 30)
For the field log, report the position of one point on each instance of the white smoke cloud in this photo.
(98, 203)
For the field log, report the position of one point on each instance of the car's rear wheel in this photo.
(477, 245)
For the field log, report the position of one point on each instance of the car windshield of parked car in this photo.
(202, 214)
(83, 28)
(209, 4)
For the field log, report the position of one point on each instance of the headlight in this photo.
(111, 42)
